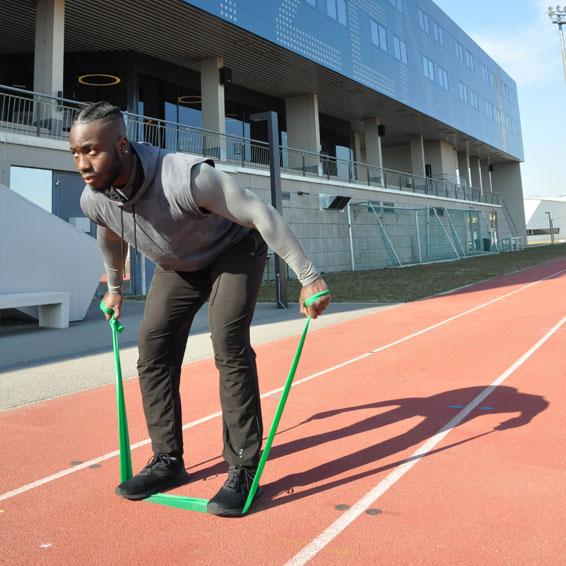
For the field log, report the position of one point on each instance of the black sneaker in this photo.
(162, 472)
(230, 500)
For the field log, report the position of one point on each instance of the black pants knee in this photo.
(231, 283)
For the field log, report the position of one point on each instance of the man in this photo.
(208, 238)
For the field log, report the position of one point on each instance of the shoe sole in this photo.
(215, 509)
(180, 480)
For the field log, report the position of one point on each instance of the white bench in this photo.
(53, 306)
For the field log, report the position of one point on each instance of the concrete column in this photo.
(303, 129)
(475, 173)
(360, 172)
(417, 155)
(49, 46)
(507, 182)
(464, 168)
(485, 176)
(374, 156)
(213, 108)
(442, 158)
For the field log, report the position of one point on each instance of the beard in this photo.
(115, 168)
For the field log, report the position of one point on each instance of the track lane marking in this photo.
(113, 454)
(332, 531)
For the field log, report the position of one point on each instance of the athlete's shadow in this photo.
(437, 410)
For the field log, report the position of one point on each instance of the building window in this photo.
(469, 58)
(442, 78)
(424, 21)
(378, 35)
(492, 79)
(311, 2)
(428, 68)
(36, 185)
(484, 73)
(400, 49)
(463, 90)
(331, 8)
(397, 3)
(342, 12)
(508, 93)
(459, 50)
(474, 102)
(493, 112)
(438, 33)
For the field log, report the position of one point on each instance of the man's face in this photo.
(98, 149)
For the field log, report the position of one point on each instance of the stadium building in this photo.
(398, 137)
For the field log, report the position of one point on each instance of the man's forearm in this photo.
(113, 251)
(284, 243)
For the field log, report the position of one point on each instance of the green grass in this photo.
(393, 285)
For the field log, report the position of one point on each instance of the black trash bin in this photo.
(486, 244)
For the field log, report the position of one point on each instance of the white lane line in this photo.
(109, 455)
(314, 547)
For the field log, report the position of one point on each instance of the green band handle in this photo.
(124, 440)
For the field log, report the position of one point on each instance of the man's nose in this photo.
(83, 164)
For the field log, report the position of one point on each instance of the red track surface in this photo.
(492, 491)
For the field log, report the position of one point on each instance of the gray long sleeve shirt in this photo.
(183, 219)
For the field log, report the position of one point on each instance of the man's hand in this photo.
(113, 301)
(319, 305)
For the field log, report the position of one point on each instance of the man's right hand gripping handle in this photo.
(113, 301)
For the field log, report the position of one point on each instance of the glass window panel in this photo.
(382, 38)
(35, 185)
(342, 12)
(331, 7)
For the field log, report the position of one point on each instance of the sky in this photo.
(520, 37)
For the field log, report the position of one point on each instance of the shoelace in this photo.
(239, 479)
(156, 460)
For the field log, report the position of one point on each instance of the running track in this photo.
(429, 433)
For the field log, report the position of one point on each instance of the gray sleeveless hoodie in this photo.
(162, 218)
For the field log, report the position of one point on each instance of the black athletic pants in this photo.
(231, 284)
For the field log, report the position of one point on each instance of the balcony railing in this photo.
(46, 116)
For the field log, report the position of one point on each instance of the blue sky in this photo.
(519, 35)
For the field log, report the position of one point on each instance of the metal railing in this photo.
(41, 115)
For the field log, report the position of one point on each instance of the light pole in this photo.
(551, 227)
(558, 17)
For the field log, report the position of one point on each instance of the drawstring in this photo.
(122, 234)
(135, 236)
(122, 240)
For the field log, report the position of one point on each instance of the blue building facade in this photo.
(408, 50)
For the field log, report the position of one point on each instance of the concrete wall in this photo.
(506, 179)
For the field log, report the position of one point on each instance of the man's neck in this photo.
(128, 188)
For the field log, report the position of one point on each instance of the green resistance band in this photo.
(125, 455)
(195, 503)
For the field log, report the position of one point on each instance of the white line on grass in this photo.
(109, 455)
(331, 532)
